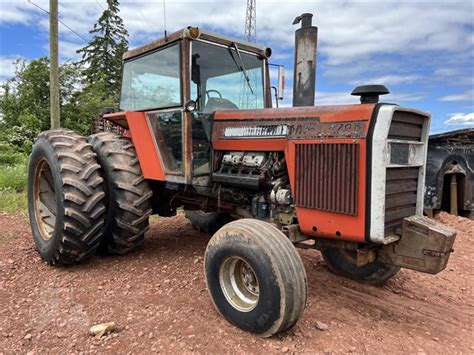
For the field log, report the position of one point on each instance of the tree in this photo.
(24, 102)
(102, 57)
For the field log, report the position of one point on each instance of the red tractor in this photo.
(200, 133)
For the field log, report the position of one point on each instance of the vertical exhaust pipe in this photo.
(304, 80)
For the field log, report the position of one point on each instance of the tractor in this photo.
(199, 134)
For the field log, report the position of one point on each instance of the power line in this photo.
(164, 16)
(143, 15)
(61, 22)
(98, 3)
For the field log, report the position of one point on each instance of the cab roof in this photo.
(204, 35)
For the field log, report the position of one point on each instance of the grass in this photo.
(13, 202)
(13, 180)
(13, 177)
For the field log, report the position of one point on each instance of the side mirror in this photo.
(281, 82)
(190, 106)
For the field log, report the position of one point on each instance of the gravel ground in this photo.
(157, 297)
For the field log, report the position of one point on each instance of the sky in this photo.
(423, 51)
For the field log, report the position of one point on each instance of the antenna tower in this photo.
(246, 99)
(251, 22)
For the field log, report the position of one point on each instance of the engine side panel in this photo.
(287, 129)
(324, 223)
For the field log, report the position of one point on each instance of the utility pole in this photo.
(53, 63)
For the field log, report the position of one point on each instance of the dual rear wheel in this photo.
(85, 196)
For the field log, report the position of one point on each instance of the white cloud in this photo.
(347, 32)
(387, 42)
(335, 98)
(464, 96)
(7, 66)
(389, 80)
(67, 50)
(341, 98)
(17, 12)
(460, 119)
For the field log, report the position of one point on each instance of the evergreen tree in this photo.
(102, 57)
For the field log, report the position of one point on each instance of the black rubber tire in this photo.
(207, 222)
(278, 269)
(78, 197)
(127, 193)
(375, 273)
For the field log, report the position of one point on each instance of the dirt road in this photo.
(158, 298)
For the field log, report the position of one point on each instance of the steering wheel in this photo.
(212, 90)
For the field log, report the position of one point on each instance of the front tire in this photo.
(343, 263)
(255, 277)
(65, 197)
(127, 193)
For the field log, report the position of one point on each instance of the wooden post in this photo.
(54, 63)
(454, 196)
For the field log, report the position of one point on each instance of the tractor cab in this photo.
(180, 81)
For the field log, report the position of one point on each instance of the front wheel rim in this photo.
(44, 200)
(239, 284)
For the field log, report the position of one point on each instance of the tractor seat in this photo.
(216, 103)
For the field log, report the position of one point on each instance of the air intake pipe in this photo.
(304, 80)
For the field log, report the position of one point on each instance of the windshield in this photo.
(152, 81)
(219, 78)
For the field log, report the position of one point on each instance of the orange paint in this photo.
(336, 113)
(144, 142)
(328, 224)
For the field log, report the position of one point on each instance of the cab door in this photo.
(153, 84)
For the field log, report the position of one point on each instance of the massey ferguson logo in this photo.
(256, 131)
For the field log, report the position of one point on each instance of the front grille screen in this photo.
(326, 177)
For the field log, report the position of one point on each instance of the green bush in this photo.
(8, 155)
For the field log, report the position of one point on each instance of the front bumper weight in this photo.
(424, 245)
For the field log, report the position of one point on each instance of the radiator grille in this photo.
(326, 177)
(400, 196)
(402, 183)
(406, 126)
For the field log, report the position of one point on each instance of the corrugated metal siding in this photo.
(326, 177)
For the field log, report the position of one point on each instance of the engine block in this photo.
(245, 169)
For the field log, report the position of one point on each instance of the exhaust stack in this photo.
(304, 80)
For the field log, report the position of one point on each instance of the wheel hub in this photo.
(44, 200)
(239, 284)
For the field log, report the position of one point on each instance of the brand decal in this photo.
(256, 131)
(304, 128)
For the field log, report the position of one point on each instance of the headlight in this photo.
(404, 153)
(412, 152)
(388, 153)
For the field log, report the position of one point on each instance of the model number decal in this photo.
(291, 129)
(256, 131)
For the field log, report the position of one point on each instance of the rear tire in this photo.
(65, 197)
(207, 222)
(342, 263)
(127, 193)
(255, 277)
